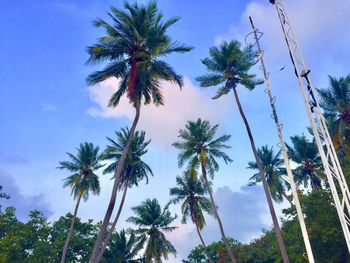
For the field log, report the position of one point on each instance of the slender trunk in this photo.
(203, 244)
(264, 182)
(69, 236)
(224, 239)
(112, 200)
(110, 232)
(148, 259)
(132, 79)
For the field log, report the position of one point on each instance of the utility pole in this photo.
(332, 168)
(283, 146)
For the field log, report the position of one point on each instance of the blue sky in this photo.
(47, 108)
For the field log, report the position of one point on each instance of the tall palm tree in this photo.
(82, 181)
(132, 46)
(309, 166)
(153, 222)
(274, 172)
(199, 148)
(335, 100)
(229, 66)
(191, 192)
(123, 249)
(135, 169)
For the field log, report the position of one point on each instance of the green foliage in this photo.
(123, 249)
(132, 46)
(229, 66)
(216, 250)
(191, 191)
(324, 230)
(197, 145)
(153, 222)
(83, 166)
(135, 169)
(309, 166)
(38, 241)
(274, 172)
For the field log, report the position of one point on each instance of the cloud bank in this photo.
(22, 203)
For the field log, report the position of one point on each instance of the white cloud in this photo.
(161, 123)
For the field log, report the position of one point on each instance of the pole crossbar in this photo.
(339, 188)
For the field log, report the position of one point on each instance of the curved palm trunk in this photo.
(203, 244)
(110, 232)
(264, 182)
(69, 236)
(224, 239)
(112, 200)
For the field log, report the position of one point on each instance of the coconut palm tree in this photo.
(132, 46)
(82, 181)
(335, 100)
(123, 249)
(191, 192)
(274, 172)
(309, 166)
(199, 149)
(135, 169)
(153, 222)
(229, 66)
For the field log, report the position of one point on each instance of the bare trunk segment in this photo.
(70, 232)
(121, 162)
(224, 239)
(264, 182)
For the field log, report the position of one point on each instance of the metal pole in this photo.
(332, 168)
(283, 148)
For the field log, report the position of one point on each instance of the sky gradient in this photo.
(47, 109)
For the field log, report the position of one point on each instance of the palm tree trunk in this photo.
(203, 244)
(69, 236)
(110, 232)
(264, 182)
(112, 200)
(224, 239)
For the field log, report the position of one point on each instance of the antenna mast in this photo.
(272, 99)
(332, 168)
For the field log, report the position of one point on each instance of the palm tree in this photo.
(191, 192)
(123, 249)
(229, 66)
(135, 169)
(336, 103)
(82, 181)
(132, 46)
(199, 148)
(153, 222)
(305, 154)
(274, 172)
